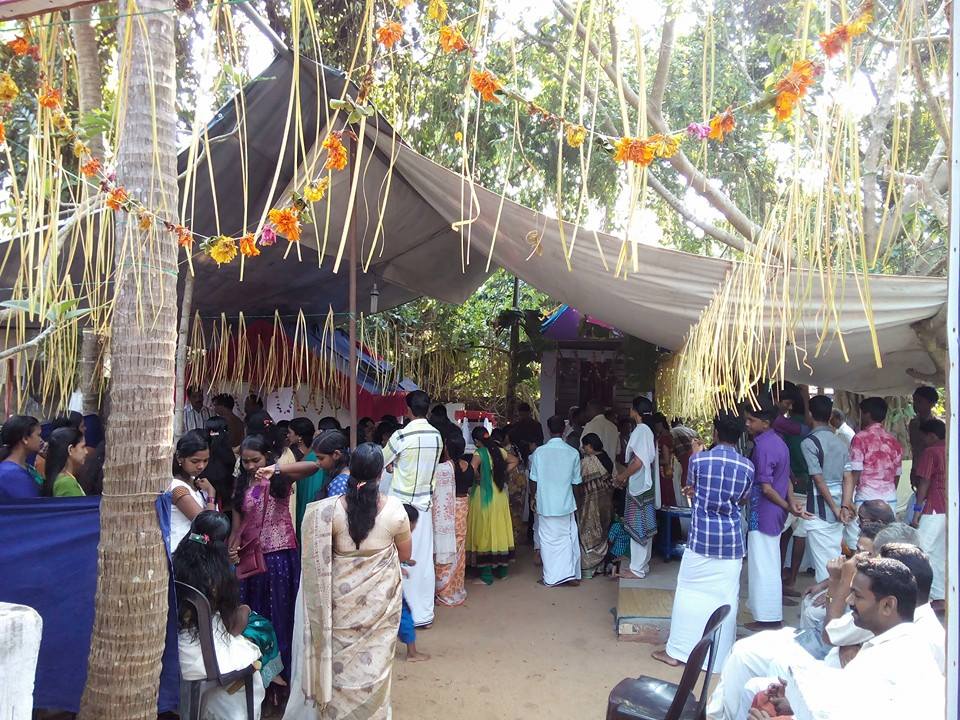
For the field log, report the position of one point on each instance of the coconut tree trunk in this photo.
(131, 601)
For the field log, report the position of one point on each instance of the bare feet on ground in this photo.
(630, 575)
(417, 657)
(662, 656)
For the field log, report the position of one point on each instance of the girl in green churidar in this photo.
(66, 454)
(490, 543)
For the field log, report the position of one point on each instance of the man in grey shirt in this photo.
(828, 460)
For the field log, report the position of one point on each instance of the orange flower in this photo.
(451, 40)
(20, 46)
(799, 79)
(485, 83)
(635, 150)
(722, 124)
(336, 152)
(390, 34)
(3, 133)
(79, 149)
(49, 97)
(184, 236)
(117, 199)
(834, 41)
(145, 221)
(248, 246)
(91, 167)
(286, 223)
(792, 87)
(664, 146)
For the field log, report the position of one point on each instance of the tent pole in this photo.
(258, 22)
(352, 240)
(953, 383)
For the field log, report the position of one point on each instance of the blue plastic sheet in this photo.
(49, 562)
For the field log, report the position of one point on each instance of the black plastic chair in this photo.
(647, 698)
(201, 607)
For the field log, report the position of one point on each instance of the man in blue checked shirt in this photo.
(719, 483)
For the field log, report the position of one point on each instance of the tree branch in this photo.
(933, 106)
(681, 163)
(663, 64)
(33, 342)
(675, 203)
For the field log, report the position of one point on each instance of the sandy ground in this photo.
(519, 650)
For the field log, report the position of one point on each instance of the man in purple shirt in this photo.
(771, 500)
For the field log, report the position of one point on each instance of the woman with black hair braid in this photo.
(349, 604)
(490, 542)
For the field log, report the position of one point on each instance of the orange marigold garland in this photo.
(722, 124)
(451, 39)
(3, 133)
(286, 222)
(485, 83)
(336, 152)
(49, 97)
(117, 199)
(248, 246)
(390, 34)
(837, 39)
(793, 86)
(91, 167)
(183, 235)
(19, 46)
(635, 150)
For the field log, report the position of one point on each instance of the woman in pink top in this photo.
(262, 510)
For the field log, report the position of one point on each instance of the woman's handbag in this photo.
(252, 561)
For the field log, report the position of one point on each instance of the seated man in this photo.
(767, 654)
(895, 665)
(872, 516)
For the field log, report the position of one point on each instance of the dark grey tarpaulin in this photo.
(417, 252)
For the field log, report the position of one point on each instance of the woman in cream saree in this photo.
(348, 608)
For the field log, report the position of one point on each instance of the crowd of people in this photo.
(317, 557)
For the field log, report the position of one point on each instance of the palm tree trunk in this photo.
(131, 601)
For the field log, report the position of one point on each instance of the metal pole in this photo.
(352, 240)
(953, 385)
(514, 345)
(260, 24)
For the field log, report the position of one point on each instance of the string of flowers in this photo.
(784, 99)
(286, 221)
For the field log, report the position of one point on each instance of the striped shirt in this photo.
(721, 478)
(414, 452)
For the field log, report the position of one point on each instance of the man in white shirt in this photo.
(604, 429)
(195, 415)
(412, 454)
(774, 653)
(895, 666)
(641, 477)
(838, 421)
(554, 470)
